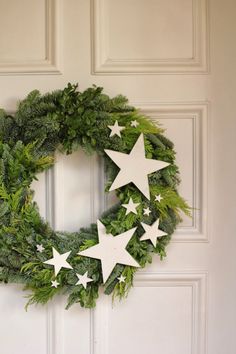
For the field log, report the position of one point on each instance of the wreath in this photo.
(140, 166)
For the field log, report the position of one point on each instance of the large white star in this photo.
(59, 261)
(152, 232)
(111, 250)
(134, 167)
(115, 129)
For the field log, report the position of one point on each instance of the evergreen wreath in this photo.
(68, 119)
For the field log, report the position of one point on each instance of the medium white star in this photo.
(55, 283)
(134, 123)
(158, 198)
(115, 129)
(131, 207)
(111, 250)
(40, 248)
(83, 279)
(134, 167)
(121, 279)
(152, 232)
(59, 261)
(146, 211)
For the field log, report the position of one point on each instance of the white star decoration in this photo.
(83, 279)
(55, 283)
(111, 250)
(134, 167)
(59, 261)
(146, 211)
(134, 123)
(131, 207)
(40, 248)
(158, 198)
(121, 279)
(115, 129)
(152, 232)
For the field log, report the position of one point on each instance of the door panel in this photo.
(175, 60)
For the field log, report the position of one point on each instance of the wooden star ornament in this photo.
(83, 279)
(59, 261)
(131, 207)
(134, 167)
(115, 129)
(111, 250)
(152, 232)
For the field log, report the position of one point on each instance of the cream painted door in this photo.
(175, 59)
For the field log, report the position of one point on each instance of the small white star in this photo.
(152, 232)
(55, 283)
(121, 279)
(131, 207)
(59, 261)
(134, 123)
(83, 279)
(158, 198)
(115, 129)
(40, 248)
(146, 211)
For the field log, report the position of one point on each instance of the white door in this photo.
(175, 59)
